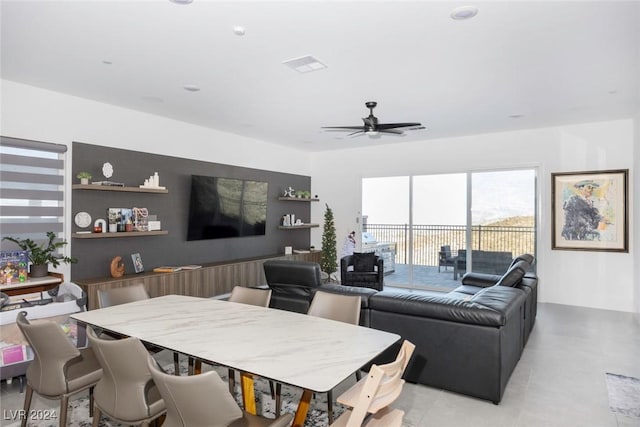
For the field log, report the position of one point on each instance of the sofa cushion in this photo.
(364, 262)
(514, 275)
(528, 258)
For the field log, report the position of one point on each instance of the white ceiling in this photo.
(551, 62)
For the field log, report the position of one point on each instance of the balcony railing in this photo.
(427, 239)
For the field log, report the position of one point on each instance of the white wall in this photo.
(592, 279)
(32, 113)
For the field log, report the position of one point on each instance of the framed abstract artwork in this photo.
(589, 210)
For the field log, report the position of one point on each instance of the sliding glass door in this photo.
(439, 226)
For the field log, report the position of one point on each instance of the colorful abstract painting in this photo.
(589, 210)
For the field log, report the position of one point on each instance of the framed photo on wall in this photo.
(589, 210)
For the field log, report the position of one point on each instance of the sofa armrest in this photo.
(482, 280)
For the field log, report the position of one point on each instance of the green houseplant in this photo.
(44, 254)
(84, 177)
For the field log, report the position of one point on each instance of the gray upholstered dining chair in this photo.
(339, 307)
(250, 296)
(58, 369)
(126, 392)
(204, 401)
(135, 292)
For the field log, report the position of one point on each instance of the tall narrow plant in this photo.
(329, 262)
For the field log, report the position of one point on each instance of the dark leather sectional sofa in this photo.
(467, 341)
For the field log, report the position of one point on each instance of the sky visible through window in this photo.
(441, 199)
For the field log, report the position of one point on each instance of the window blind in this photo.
(31, 189)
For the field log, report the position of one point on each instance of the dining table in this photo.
(311, 353)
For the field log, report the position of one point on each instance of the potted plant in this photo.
(329, 263)
(84, 177)
(42, 255)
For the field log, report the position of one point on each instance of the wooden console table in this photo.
(210, 280)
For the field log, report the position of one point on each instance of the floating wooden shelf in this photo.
(293, 227)
(121, 189)
(297, 199)
(119, 234)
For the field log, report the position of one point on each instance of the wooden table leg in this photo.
(248, 393)
(303, 408)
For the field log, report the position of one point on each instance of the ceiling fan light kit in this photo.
(371, 126)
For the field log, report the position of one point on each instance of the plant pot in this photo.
(39, 270)
(84, 181)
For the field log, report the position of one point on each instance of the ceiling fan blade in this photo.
(358, 133)
(393, 131)
(396, 125)
(343, 127)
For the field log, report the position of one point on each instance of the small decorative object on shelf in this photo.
(140, 219)
(152, 182)
(84, 177)
(288, 192)
(100, 226)
(107, 170)
(117, 267)
(137, 262)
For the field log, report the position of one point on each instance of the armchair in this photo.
(445, 258)
(364, 270)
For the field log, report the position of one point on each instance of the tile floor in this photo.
(559, 381)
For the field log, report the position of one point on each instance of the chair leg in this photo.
(330, 406)
(358, 375)
(176, 363)
(91, 401)
(64, 406)
(278, 398)
(272, 389)
(96, 417)
(27, 404)
(232, 381)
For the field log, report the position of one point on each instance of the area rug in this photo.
(78, 414)
(624, 395)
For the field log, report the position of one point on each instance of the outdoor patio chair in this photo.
(445, 258)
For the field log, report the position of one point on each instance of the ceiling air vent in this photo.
(305, 64)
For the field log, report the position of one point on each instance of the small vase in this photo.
(39, 270)
(84, 181)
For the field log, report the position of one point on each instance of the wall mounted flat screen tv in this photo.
(221, 208)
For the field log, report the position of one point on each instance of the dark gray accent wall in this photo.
(132, 168)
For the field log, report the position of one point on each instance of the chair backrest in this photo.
(52, 350)
(292, 277)
(382, 386)
(126, 388)
(196, 400)
(251, 296)
(343, 308)
(445, 251)
(117, 296)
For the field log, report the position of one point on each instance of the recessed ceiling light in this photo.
(181, 1)
(238, 30)
(464, 12)
(305, 64)
(191, 88)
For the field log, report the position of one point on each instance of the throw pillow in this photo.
(514, 275)
(364, 262)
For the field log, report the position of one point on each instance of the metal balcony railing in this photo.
(427, 239)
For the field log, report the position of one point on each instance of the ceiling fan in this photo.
(371, 126)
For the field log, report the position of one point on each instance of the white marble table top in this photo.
(304, 351)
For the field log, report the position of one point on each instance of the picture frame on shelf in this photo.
(590, 210)
(137, 263)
